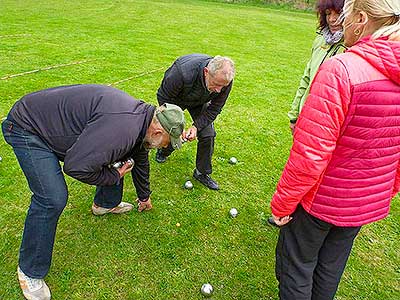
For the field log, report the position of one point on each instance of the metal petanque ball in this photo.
(233, 212)
(207, 289)
(233, 160)
(1, 158)
(188, 185)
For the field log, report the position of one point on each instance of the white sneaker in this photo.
(32, 288)
(123, 207)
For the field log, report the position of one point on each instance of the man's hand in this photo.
(127, 167)
(144, 204)
(190, 134)
(282, 221)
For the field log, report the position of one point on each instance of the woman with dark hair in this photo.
(344, 165)
(329, 41)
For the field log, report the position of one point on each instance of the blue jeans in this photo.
(109, 196)
(49, 196)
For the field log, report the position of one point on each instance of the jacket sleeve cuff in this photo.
(143, 197)
(277, 209)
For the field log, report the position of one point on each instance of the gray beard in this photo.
(148, 145)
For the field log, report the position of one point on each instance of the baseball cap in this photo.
(172, 119)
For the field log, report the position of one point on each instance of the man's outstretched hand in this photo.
(144, 204)
(126, 168)
(190, 134)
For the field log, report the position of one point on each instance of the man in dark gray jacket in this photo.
(89, 128)
(201, 84)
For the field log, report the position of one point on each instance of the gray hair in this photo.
(222, 64)
(384, 13)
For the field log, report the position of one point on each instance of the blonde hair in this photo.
(384, 13)
(218, 63)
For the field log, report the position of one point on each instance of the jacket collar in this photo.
(149, 117)
(202, 78)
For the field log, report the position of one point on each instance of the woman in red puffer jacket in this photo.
(343, 169)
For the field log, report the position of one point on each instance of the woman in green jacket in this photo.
(329, 41)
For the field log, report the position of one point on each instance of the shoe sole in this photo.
(99, 214)
(29, 297)
(26, 294)
(111, 212)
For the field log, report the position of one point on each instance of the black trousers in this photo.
(311, 256)
(205, 143)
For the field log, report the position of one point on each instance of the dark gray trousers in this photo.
(311, 256)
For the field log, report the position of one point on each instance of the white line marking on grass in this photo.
(15, 35)
(136, 76)
(45, 69)
(99, 9)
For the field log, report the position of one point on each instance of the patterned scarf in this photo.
(331, 38)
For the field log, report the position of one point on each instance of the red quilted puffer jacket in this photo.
(344, 164)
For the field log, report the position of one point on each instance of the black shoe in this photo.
(160, 158)
(272, 222)
(206, 180)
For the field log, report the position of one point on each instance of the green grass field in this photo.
(146, 256)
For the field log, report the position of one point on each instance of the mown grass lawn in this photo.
(146, 256)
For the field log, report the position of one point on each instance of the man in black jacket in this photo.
(89, 128)
(201, 84)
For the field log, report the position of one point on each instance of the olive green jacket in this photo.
(319, 53)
